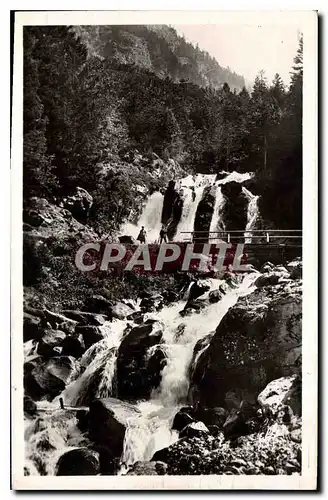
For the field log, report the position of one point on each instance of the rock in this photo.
(59, 322)
(86, 318)
(274, 394)
(79, 204)
(108, 420)
(129, 240)
(234, 426)
(137, 317)
(296, 272)
(31, 327)
(211, 416)
(73, 345)
(170, 296)
(215, 296)
(195, 429)
(140, 361)
(121, 311)
(193, 306)
(179, 331)
(267, 279)
(198, 288)
(64, 368)
(182, 419)
(91, 334)
(147, 469)
(153, 303)
(258, 340)
(99, 304)
(214, 430)
(267, 267)
(293, 397)
(30, 408)
(296, 435)
(38, 382)
(78, 462)
(50, 340)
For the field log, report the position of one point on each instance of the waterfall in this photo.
(150, 218)
(216, 222)
(191, 189)
(151, 430)
(98, 362)
(252, 213)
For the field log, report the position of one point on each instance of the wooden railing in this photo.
(252, 236)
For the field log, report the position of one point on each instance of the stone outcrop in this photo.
(48, 378)
(258, 340)
(78, 462)
(235, 207)
(140, 361)
(108, 422)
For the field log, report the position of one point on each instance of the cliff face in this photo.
(158, 48)
(258, 340)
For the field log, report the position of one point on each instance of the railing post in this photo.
(228, 237)
(267, 238)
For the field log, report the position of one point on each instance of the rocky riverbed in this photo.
(203, 382)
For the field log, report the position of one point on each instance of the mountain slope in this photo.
(160, 49)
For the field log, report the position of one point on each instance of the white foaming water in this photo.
(252, 213)
(216, 222)
(99, 357)
(150, 218)
(151, 430)
(191, 189)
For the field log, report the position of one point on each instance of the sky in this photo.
(246, 48)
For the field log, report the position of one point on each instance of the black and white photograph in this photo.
(164, 180)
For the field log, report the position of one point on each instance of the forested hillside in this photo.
(160, 49)
(91, 100)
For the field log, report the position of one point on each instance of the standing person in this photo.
(193, 194)
(162, 235)
(142, 235)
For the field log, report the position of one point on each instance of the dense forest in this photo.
(86, 108)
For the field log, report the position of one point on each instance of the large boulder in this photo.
(129, 240)
(198, 288)
(78, 462)
(86, 318)
(73, 345)
(183, 418)
(39, 383)
(91, 334)
(258, 340)
(140, 361)
(50, 342)
(79, 204)
(121, 310)
(59, 321)
(108, 420)
(65, 368)
(194, 429)
(281, 392)
(32, 328)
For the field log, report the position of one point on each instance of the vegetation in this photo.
(87, 107)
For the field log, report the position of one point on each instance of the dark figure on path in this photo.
(193, 194)
(142, 235)
(162, 235)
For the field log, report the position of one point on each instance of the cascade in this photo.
(191, 189)
(151, 430)
(252, 213)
